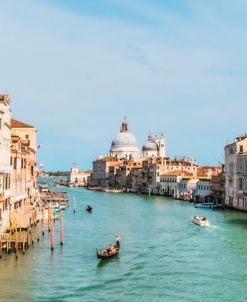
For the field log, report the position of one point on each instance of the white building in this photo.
(203, 190)
(78, 177)
(187, 187)
(124, 145)
(169, 184)
(154, 147)
(178, 184)
(236, 174)
(5, 168)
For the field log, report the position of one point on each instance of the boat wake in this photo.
(213, 226)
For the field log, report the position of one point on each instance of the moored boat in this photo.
(114, 190)
(107, 252)
(203, 204)
(200, 220)
(57, 209)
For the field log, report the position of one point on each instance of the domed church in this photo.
(154, 147)
(124, 145)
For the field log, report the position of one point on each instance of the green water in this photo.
(163, 257)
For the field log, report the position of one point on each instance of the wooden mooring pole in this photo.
(52, 237)
(43, 221)
(74, 204)
(61, 231)
(1, 247)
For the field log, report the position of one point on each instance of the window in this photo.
(241, 149)
(240, 184)
(15, 163)
(27, 136)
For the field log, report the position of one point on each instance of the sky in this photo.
(74, 69)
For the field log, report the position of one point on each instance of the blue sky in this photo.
(74, 69)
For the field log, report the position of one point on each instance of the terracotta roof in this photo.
(178, 173)
(19, 124)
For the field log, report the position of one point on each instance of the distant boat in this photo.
(107, 252)
(200, 220)
(89, 208)
(204, 204)
(57, 209)
(114, 190)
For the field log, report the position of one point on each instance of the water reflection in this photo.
(104, 262)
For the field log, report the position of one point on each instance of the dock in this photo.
(30, 222)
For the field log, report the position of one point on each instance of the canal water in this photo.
(163, 257)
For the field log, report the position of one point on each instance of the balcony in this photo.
(7, 193)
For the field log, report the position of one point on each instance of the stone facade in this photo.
(18, 183)
(236, 174)
(101, 170)
(23, 160)
(5, 168)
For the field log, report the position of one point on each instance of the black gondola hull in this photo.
(103, 254)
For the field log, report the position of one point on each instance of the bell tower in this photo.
(162, 152)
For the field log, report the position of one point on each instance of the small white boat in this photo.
(114, 190)
(200, 220)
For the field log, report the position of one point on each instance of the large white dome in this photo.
(124, 139)
(124, 144)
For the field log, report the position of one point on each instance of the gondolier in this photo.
(117, 239)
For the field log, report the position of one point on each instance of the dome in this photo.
(124, 139)
(124, 144)
(149, 146)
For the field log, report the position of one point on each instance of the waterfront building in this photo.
(178, 184)
(169, 184)
(101, 169)
(134, 182)
(77, 177)
(5, 167)
(183, 165)
(24, 191)
(124, 145)
(187, 187)
(203, 190)
(236, 173)
(218, 187)
(25, 132)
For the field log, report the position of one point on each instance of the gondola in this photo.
(107, 252)
(89, 208)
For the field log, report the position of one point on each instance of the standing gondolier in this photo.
(117, 239)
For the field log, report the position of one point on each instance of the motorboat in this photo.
(107, 252)
(200, 220)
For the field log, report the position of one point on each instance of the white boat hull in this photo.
(199, 220)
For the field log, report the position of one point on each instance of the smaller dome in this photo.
(150, 146)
